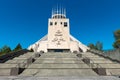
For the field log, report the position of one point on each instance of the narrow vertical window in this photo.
(65, 24)
(61, 23)
(55, 23)
(51, 23)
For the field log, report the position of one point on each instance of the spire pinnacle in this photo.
(52, 11)
(58, 12)
(65, 12)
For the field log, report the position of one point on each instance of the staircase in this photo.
(58, 64)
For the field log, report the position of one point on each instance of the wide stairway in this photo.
(58, 64)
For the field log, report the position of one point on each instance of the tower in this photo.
(58, 31)
(58, 38)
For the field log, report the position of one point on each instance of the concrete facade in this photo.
(58, 38)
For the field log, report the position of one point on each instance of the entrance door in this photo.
(58, 50)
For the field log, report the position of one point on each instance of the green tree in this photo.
(0, 51)
(99, 45)
(117, 34)
(116, 44)
(92, 46)
(5, 49)
(18, 47)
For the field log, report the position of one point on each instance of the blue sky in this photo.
(26, 21)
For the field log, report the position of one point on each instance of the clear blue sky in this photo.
(25, 21)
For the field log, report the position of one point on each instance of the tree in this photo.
(5, 49)
(117, 34)
(18, 47)
(99, 45)
(0, 51)
(92, 46)
(116, 44)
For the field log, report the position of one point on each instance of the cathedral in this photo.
(58, 38)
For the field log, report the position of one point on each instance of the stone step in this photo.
(7, 65)
(114, 72)
(27, 55)
(58, 53)
(14, 71)
(60, 61)
(58, 56)
(97, 58)
(61, 78)
(6, 69)
(21, 58)
(93, 56)
(101, 61)
(115, 66)
(15, 61)
(58, 66)
(58, 72)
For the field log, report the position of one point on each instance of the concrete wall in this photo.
(74, 46)
(114, 54)
(42, 46)
(58, 35)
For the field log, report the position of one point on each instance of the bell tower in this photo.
(58, 31)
